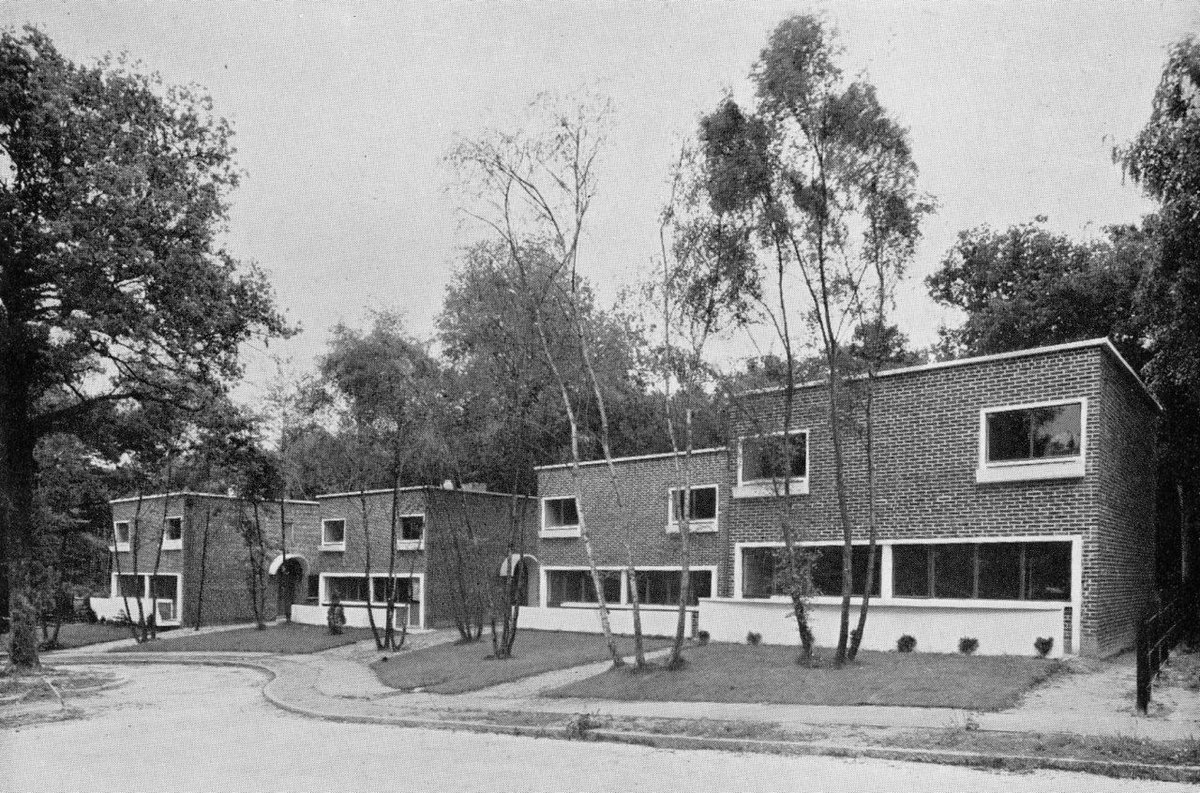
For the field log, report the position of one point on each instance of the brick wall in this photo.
(1120, 581)
(644, 486)
(926, 437)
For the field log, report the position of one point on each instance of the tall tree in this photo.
(1165, 160)
(815, 163)
(113, 285)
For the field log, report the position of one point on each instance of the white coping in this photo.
(633, 458)
(412, 488)
(181, 493)
(1103, 342)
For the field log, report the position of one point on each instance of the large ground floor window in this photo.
(160, 587)
(353, 590)
(661, 587)
(766, 573)
(654, 587)
(986, 571)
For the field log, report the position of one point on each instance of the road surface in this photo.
(209, 728)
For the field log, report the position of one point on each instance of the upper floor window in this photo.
(412, 532)
(560, 517)
(121, 534)
(1042, 441)
(767, 462)
(702, 508)
(173, 534)
(333, 534)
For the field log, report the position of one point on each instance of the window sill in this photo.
(410, 545)
(1023, 472)
(172, 545)
(121, 547)
(920, 603)
(797, 487)
(564, 533)
(333, 546)
(695, 527)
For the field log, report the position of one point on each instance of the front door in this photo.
(290, 575)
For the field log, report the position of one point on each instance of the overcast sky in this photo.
(343, 114)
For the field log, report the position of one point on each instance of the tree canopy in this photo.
(115, 289)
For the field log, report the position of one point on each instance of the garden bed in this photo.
(769, 674)
(284, 639)
(455, 668)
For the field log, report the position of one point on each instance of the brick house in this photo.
(1015, 496)
(442, 537)
(565, 595)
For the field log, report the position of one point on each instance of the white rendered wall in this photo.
(656, 621)
(1001, 629)
(356, 616)
(111, 608)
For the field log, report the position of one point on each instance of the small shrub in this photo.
(1043, 646)
(906, 644)
(753, 638)
(968, 645)
(702, 637)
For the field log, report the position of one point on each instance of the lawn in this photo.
(455, 668)
(81, 634)
(742, 673)
(285, 639)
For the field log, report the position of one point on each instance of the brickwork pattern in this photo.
(644, 486)
(927, 436)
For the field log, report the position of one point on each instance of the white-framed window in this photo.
(354, 589)
(983, 571)
(661, 587)
(560, 516)
(575, 585)
(767, 462)
(333, 534)
(702, 508)
(1044, 440)
(764, 571)
(411, 534)
(162, 591)
(121, 534)
(172, 539)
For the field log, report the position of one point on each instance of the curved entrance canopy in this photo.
(281, 558)
(508, 564)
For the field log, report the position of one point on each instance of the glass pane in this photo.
(1035, 433)
(1055, 431)
(381, 591)
(701, 581)
(1048, 571)
(348, 589)
(953, 571)
(314, 588)
(130, 586)
(758, 572)
(859, 564)
(174, 529)
(826, 570)
(1000, 570)
(412, 527)
(704, 503)
(334, 531)
(121, 528)
(164, 586)
(910, 571)
(561, 512)
(765, 458)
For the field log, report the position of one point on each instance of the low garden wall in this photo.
(584, 618)
(356, 616)
(113, 609)
(1000, 629)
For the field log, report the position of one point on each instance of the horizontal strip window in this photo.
(354, 589)
(576, 586)
(766, 572)
(984, 571)
(661, 587)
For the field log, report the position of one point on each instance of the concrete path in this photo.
(1096, 700)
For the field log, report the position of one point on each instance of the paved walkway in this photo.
(1096, 700)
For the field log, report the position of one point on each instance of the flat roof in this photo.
(1103, 342)
(410, 488)
(179, 493)
(633, 458)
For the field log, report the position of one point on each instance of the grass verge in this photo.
(769, 674)
(455, 668)
(81, 634)
(283, 639)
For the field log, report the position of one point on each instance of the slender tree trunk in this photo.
(856, 636)
(203, 566)
(366, 522)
